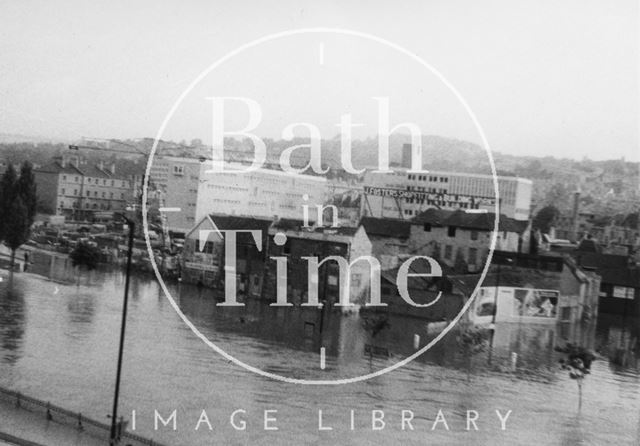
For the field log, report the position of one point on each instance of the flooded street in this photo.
(58, 342)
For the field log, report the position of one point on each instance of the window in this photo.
(177, 170)
(122, 196)
(451, 231)
(110, 194)
(448, 251)
(474, 235)
(95, 193)
(473, 256)
(88, 193)
(76, 179)
(75, 192)
(64, 177)
(623, 292)
(427, 227)
(63, 191)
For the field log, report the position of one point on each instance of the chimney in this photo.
(575, 214)
(406, 156)
(70, 160)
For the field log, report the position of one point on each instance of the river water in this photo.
(59, 338)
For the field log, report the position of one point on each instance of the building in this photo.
(422, 290)
(620, 285)
(177, 180)
(402, 194)
(185, 184)
(204, 253)
(461, 240)
(263, 193)
(534, 289)
(389, 239)
(72, 187)
(320, 242)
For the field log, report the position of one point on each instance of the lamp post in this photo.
(492, 326)
(114, 437)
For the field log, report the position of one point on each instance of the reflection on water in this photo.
(12, 321)
(58, 341)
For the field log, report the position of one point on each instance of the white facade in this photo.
(259, 193)
(177, 179)
(401, 194)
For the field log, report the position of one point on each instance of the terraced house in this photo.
(78, 190)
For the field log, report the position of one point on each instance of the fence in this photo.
(66, 417)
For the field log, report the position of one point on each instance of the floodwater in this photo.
(59, 338)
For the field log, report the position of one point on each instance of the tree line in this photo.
(17, 207)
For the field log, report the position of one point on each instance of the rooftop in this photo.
(384, 227)
(483, 221)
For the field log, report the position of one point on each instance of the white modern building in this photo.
(402, 194)
(259, 193)
(177, 180)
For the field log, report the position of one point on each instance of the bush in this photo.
(85, 255)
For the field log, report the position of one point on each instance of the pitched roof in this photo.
(614, 269)
(594, 260)
(629, 277)
(483, 221)
(231, 222)
(383, 227)
(289, 224)
(86, 170)
(95, 172)
(57, 167)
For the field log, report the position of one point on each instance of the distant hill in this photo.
(606, 187)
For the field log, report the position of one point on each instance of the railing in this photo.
(66, 417)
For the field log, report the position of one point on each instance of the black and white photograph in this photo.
(319, 223)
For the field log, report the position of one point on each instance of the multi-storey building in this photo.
(185, 184)
(348, 243)
(454, 237)
(402, 194)
(177, 180)
(71, 187)
(260, 193)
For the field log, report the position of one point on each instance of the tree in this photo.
(7, 195)
(17, 207)
(545, 218)
(16, 228)
(85, 255)
(578, 363)
(27, 190)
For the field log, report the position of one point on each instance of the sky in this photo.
(542, 77)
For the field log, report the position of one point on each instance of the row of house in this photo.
(72, 187)
(272, 264)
